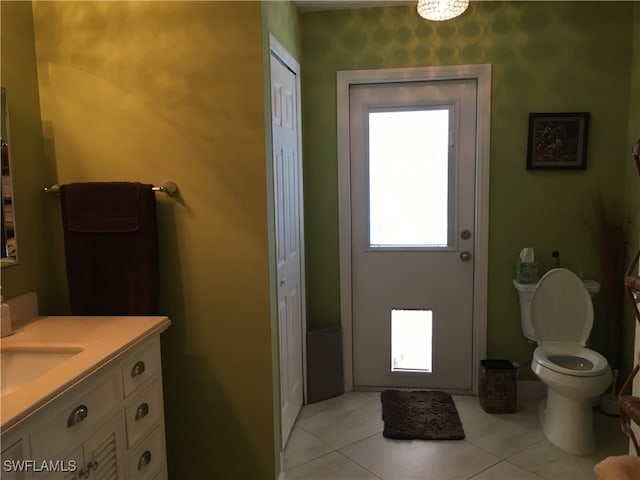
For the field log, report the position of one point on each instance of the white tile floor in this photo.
(341, 439)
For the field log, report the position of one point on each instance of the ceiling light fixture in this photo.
(441, 9)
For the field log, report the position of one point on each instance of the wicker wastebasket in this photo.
(498, 393)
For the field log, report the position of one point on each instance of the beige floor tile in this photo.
(505, 471)
(551, 463)
(343, 420)
(333, 466)
(301, 448)
(501, 434)
(419, 459)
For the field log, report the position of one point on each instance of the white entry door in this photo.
(287, 173)
(413, 161)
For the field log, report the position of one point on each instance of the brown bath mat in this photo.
(420, 415)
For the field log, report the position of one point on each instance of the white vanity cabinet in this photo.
(108, 426)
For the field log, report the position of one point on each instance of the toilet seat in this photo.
(561, 309)
(573, 360)
(562, 317)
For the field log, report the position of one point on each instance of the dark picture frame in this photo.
(558, 141)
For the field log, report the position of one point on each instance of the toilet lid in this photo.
(561, 309)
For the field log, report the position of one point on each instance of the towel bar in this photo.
(170, 188)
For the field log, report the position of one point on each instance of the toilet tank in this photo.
(525, 291)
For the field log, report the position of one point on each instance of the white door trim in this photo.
(482, 74)
(277, 50)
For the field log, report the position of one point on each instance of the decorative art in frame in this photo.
(558, 141)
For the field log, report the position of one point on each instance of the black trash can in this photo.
(498, 391)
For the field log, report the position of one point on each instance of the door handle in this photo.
(465, 256)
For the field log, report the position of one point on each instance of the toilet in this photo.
(557, 314)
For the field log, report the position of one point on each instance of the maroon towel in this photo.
(111, 248)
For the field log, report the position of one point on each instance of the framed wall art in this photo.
(558, 141)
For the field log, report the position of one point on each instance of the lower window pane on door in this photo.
(411, 340)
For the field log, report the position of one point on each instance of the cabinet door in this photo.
(69, 468)
(101, 457)
(11, 458)
(104, 452)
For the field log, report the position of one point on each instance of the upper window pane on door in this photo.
(409, 178)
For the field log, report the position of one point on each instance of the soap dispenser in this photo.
(5, 318)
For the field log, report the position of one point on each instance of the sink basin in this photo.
(22, 365)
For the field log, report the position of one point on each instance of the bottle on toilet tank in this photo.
(555, 259)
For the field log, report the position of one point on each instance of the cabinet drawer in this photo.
(75, 418)
(146, 460)
(138, 368)
(143, 412)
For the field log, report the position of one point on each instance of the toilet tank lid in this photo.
(592, 286)
(561, 309)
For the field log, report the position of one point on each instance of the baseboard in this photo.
(530, 390)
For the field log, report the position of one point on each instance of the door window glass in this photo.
(409, 178)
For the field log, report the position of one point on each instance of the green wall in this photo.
(281, 19)
(30, 172)
(156, 91)
(546, 56)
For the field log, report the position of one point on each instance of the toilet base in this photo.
(568, 423)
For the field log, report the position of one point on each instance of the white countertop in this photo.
(101, 339)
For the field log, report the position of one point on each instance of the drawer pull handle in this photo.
(138, 369)
(142, 411)
(145, 459)
(78, 415)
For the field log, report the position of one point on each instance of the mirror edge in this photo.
(5, 139)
